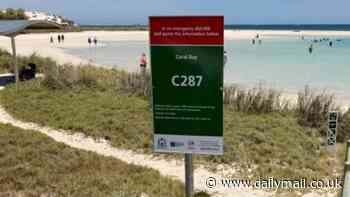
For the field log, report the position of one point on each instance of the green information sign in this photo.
(187, 76)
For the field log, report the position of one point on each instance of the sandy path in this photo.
(172, 168)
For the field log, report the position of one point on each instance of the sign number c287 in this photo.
(186, 80)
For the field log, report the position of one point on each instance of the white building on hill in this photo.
(42, 16)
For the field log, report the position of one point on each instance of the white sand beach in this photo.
(39, 43)
(28, 44)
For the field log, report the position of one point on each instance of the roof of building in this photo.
(15, 27)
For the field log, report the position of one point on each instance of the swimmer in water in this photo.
(330, 43)
(311, 48)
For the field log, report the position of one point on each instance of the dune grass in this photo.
(33, 165)
(6, 64)
(124, 120)
(271, 144)
(344, 127)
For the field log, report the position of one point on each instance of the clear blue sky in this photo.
(235, 11)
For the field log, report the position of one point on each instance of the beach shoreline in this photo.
(38, 43)
(28, 44)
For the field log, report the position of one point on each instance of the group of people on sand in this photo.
(92, 40)
(60, 38)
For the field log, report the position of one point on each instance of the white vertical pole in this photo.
(14, 59)
(189, 175)
(346, 181)
(347, 151)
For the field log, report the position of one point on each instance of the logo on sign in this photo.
(162, 143)
(191, 145)
(176, 144)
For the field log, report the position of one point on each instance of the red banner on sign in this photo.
(183, 30)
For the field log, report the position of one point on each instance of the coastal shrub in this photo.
(255, 100)
(5, 61)
(39, 61)
(312, 109)
(344, 127)
(68, 76)
(135, 83)
(37, 166)
(12, 14)
(259, 142)
(22, 61)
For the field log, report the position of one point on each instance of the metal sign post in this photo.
(14, 60)
(187, 58)
(189, 175)
(332, 131)
(346, 181)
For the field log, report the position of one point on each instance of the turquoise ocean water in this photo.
(281, 62)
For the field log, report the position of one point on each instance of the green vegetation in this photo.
(344, 127)
(12, 14)
(5, 61)
(261, 133)
(272, 144)
(313, 109)
(125, 120)
(275, 145)
(34, 165)
(22, 61)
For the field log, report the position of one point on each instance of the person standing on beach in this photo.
(51, 39)
(62, 38)
(225, 58)
(253, 41)
(143, 64)
(95, 41)
(59, 38)
(89, 41)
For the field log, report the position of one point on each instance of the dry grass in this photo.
(70, 76)
(312, 109)
(255, 100)
(344, 127)
(135, 83)
(22, 61)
